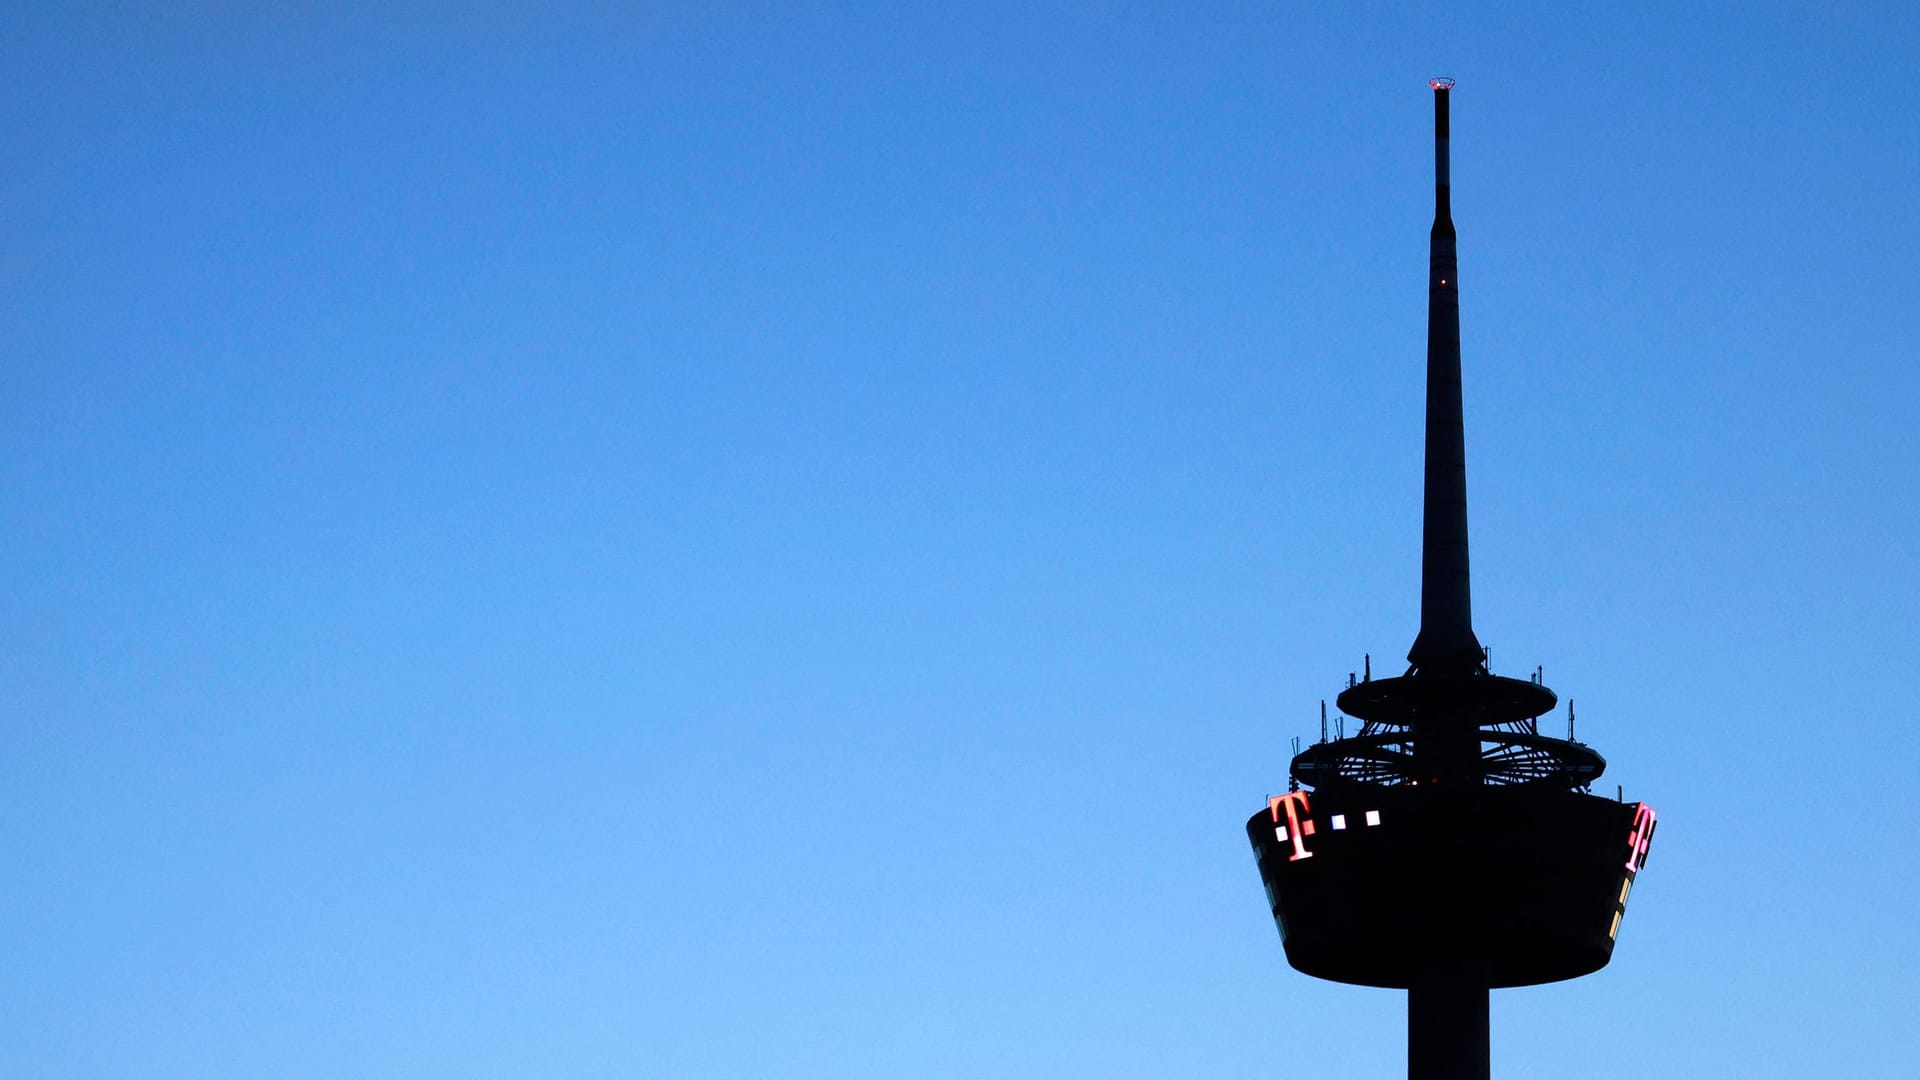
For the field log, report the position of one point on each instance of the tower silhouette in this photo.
(1448, 847)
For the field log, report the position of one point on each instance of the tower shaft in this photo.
(1448, 1032)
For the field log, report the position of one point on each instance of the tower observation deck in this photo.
(1448, 847)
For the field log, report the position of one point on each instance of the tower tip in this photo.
(1440, 82)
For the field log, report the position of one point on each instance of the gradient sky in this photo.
(756, 540)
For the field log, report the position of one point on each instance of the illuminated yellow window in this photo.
(1614, 931)
(1624, 886)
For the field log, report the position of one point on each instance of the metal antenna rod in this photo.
(1446, 643)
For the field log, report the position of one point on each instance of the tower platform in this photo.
(1379, 886)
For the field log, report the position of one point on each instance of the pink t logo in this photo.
(1643, 819)
(1299, 827)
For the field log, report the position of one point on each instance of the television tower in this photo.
(1448, 847)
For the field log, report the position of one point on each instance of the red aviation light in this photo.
(1440, 83)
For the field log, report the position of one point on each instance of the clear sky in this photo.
(758, 540)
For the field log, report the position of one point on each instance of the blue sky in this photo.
(745, 540)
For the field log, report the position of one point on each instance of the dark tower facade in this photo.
(1448, 847)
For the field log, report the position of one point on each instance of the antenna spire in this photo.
(1446, 643)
